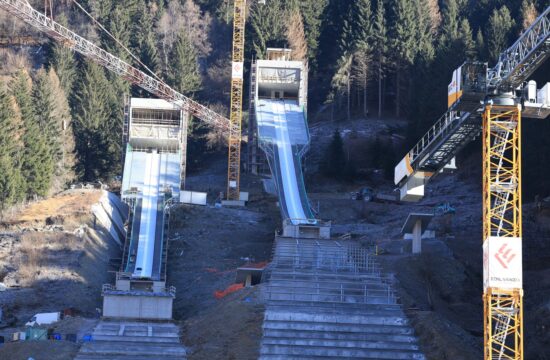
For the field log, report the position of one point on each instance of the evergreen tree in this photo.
(480, 45)
(95, 126)
(53, 116)
(335, 158)
(63, 61)
(380, 48)
(312, 11)
(450, 21)
(44, 106)
(466, 42)
(266, 27)
(404, 43)
(11, 181)
(184, 72)
(37, 165)
(498, 31)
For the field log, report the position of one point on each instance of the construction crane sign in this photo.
(502, 263)
(238, 70)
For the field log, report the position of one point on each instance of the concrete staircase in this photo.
(329, 300)
(125, 340)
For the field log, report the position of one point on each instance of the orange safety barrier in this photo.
(231, 289)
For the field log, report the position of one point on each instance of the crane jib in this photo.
(22, 10)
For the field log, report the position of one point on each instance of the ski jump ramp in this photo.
(284, 136)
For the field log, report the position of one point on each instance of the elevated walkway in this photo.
(328, 299)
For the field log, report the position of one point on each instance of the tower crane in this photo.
(236, 107)
(236, 111)
(22, 10)
(491, 102)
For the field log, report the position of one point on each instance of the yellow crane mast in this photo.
(502, 233)
(236, 112)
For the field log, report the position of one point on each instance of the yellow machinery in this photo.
(234, 143)
(502, 233)
(502, 94)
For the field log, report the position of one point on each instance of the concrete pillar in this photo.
(417, 237)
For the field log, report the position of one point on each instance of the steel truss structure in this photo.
(234, 141)
(520, 60)
(503, 307)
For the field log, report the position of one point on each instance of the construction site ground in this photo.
(440, 289)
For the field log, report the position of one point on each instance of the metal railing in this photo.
(521, 59)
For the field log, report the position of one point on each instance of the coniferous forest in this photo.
(61, 116)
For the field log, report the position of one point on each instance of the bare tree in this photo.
(185, 17)
(296, 36)
(528, 14)
(434, 14)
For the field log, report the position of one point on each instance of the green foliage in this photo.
(184, 73)
(96, 127)
(266, 27)
(335, 164)
(11, 181)
(37, 161)
(498, 32)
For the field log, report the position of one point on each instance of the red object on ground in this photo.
(231, 289)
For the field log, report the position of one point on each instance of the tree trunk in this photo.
(365, 109)
(380, 90)
(397, 90)
(349, 97)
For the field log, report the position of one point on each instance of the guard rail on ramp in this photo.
(284, 137)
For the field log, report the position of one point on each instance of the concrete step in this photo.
(346, 353)
(338, 335)
(140, 339)
(335, 318)
(329, 299)
(351, 344)
(129, 357)
(347, 309)
(131, 348)
(338, 328)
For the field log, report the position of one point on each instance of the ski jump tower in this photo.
(155, 138)
(278, 126)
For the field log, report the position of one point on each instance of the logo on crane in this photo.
(505, 256)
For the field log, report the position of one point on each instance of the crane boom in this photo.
(22, 10)
(520, 60)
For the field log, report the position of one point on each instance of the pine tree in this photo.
(450, 21)
(335, 159)
(380, 47)
(362, 27)
(498, 31)
(466, 42)
(53, 116)
(184, 72)
(37, 165)
(312, 12)
(480, 45)
(95, 126)
(62, 59)
(266, 27)
(11, 179)
(404, 42)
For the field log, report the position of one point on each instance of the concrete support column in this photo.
(417, 237)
